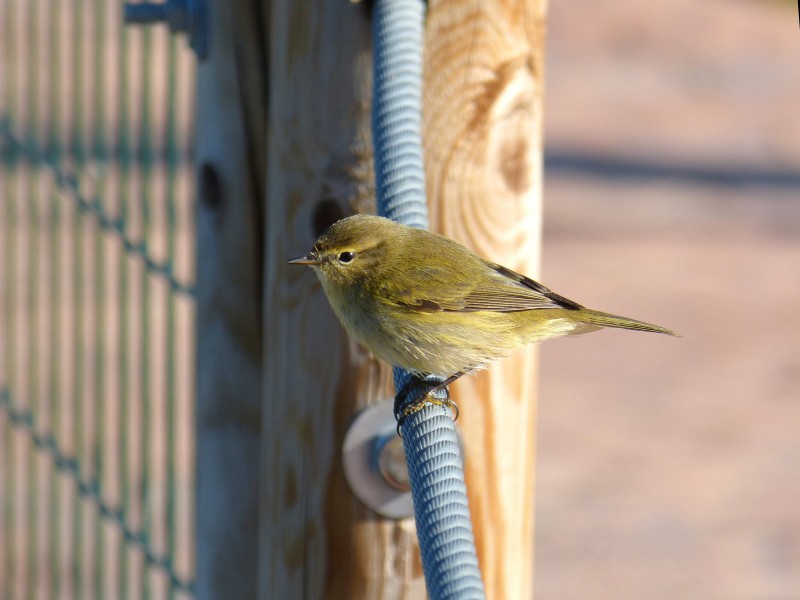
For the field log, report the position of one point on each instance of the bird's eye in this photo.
(346, 257)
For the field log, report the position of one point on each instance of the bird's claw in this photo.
(401, 411)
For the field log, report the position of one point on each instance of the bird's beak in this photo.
(309, 259)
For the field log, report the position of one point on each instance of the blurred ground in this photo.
(670, 468)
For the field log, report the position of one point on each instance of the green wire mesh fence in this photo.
(96, 305)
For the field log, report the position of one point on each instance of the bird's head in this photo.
(352, 251)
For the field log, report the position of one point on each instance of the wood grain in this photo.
(317, 539)
(229, 284)
(483, 145)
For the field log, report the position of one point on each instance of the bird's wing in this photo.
(497, 289)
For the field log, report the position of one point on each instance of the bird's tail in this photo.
(601, 319)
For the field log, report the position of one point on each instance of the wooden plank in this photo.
(230, 147)
(483, 150)
(317, 540)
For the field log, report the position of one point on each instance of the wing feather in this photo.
(451, 288)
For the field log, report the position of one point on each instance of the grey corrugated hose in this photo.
(447, 545)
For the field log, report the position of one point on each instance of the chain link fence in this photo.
(96, 305)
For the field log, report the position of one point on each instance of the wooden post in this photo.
(231, 138)
(284, 149)
(317, 539)
(483, 152)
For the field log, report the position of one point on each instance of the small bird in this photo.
(423, 302)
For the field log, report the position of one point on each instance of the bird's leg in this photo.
(402, 411)
(443, 385)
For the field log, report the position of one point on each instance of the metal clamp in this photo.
(375, 463)
(187, 16)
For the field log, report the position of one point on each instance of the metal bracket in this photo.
(188, 16)
(375, 464)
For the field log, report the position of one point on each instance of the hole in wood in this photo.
(210, 187)
(326, 213)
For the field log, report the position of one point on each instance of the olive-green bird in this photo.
(421, 301)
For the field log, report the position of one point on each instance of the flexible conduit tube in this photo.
(444, 529)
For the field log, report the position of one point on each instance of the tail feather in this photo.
(594, 317)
